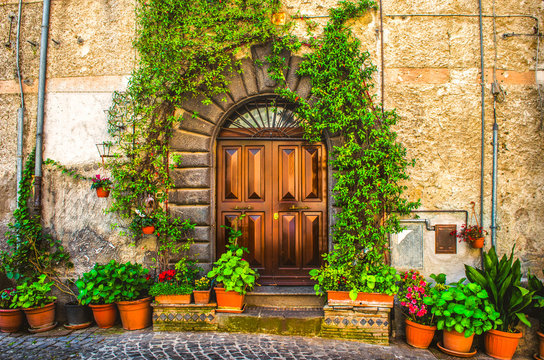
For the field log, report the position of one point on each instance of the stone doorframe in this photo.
(194, 192)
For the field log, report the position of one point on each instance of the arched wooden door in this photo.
(280, 185)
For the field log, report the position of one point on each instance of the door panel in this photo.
(281, 188)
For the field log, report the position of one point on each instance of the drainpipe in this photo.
(21, 110)
(494, 184)
(41, 105)
(482, 90)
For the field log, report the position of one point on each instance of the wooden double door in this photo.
(281, 188)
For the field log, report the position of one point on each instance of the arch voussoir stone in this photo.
(194, 105)
(249, 77)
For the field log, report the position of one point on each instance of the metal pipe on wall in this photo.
(494, 181)
(21, 110)
(41, 104)
(482, 91)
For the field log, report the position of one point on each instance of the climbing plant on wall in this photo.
(189, 48)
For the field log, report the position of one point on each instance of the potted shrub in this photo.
(102, 186)
(131, 291)
(10, 319)
(461, 311)
(502, 279)
(537, 308)
(96, 289)
(201, 292)
(37, 304)
(420, 322)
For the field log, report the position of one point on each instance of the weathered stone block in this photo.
(189, 196)
(192, 159)
(198, 251)
(292, 77)
(367, 324)
(200, 215)
(184, 317)
(195, 124)
(189, 141)
(200, 233)
(210, 112)
(191, 177)
(236, 87)
(249, 77)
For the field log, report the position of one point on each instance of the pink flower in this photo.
(414, 277)
(414, 301)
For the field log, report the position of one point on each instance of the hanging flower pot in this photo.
(102, 192)
(105, 315)
(10, 320)
(500, 344)
(148, 230)
(418, 335)
(477, 243)
(457, 341)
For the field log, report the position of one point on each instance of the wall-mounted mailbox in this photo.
(445, 239)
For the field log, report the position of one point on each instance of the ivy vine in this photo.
(189, 48)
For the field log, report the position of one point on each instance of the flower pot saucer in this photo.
(456, 353)
(535, 355)
(78, 326)
(231, 310)
(43, 328)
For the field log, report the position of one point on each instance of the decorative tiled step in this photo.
(184, 317)
(286, 297)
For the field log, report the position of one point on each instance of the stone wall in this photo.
(432, 78)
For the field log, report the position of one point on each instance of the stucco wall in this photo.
(431, 78)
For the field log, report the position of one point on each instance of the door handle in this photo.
(242, 208)
(293, 207)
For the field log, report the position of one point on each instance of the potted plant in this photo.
(473, 234)
(461, 311)
(96, 289)
(233, 274)
(37, 304)
(102, 186)
(201, 292)
(420, 322)
(131, 290)
(502, 279)
(10, 319)
(142, 224)
(360, 283)
(537, 308)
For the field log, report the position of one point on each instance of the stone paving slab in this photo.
(115, 343)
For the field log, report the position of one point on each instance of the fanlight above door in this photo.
(265, 117)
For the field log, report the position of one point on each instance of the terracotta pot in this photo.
(78, 314)
(102, 193)
(135, 315)
(541, 344)
(477, 243)
(10, 320)
(419, 336)
(457, 341)
(229, 300)
(148, 230)
(201, 296)
(366, 299)
(104, 315)
(500, 344)
(41, 317)
(173, 299)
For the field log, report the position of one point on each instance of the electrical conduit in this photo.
(21, 110)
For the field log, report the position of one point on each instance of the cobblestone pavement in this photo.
(115, 343)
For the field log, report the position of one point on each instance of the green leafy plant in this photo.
(34, 294)
(502, 279)
(130, 281)
(464, 308)
(96, 286)
(537, 306)
(30, 252)
(202, 284)
(6, 298)
(168, 288)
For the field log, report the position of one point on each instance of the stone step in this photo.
(272, 321)
(285, 297)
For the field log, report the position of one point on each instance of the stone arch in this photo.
(193, 196)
